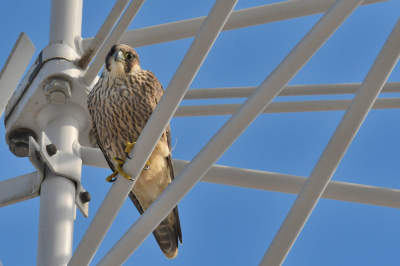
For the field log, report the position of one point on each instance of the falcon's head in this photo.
(122, 60)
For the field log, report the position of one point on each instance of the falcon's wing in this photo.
(155, 83)
(172, 175)
(167, 133)
(96, 135)
(166, 138)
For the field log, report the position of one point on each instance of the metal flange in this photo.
(56, 62)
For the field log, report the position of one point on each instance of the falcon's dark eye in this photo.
(129, 56)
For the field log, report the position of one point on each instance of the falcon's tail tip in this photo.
(171, 255)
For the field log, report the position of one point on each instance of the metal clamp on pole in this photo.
(60, 162)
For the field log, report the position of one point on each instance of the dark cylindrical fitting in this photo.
(85, 197)
(21, 149)
(51, 149)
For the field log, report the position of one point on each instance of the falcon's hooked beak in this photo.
(119, 56)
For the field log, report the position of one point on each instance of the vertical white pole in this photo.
(57, 199)
(65, 21)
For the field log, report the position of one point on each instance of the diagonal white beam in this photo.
(291, 90)
(14, 68)
(248, 178)
(152, 132)
(114, 38)
(229, 132)
(282, 107)
(334, 151)
(101, 36)
(239, 19)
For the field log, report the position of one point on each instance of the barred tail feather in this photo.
(168, 233)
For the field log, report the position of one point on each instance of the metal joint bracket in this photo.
(60, 164)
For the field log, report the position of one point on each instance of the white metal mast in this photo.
(57, 197)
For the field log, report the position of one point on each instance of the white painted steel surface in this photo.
(57, 195)
(114, 38)
(291, 90)
(19, 188)
(239, 19)
(65, 21)
(57, 199)
(335, 150)
(90, 156)
(229, 132)
(282, 107)
(14, 68)
(102, 34)
(151, 133)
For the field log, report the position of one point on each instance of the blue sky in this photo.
(225, 225)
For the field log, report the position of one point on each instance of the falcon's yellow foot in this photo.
(128, 148)
(120, 163)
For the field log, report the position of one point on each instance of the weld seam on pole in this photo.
(229, 132)
(334, 151)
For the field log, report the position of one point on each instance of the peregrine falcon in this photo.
(120, 104)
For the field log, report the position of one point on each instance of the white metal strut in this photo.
(239, 19)
(335, 150)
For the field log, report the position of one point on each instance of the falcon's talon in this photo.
(147, 166)
(119, 160)
(113, 176)
(128, 148)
